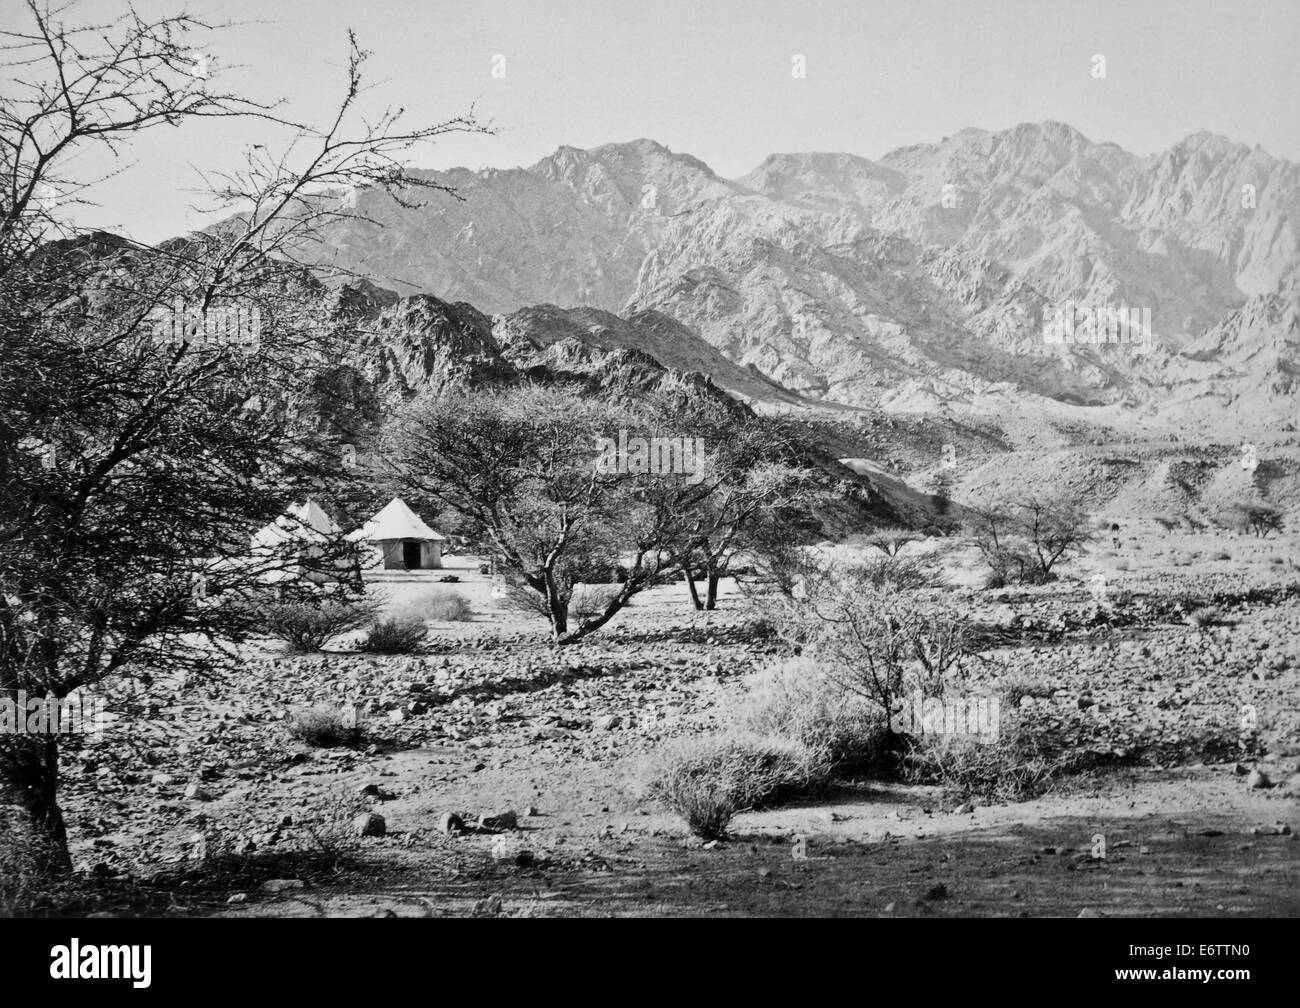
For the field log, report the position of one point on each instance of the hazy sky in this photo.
(714, 78)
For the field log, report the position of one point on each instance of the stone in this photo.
(1257, 780)
(507, 820)
(450, 824)
(369, 824)
(283, 885)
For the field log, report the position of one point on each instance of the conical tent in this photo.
(304, 523)
(295, 543)
(401, 539)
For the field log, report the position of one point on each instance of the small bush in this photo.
(449, 607)
(323, 726)
(310, 624)
(1204, 616)
(397, 635)
(329, 822)
(796, 701)
(705, 806)
(1025, 760)
(749, 771)
(898, 573)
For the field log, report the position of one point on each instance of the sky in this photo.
(715, 79)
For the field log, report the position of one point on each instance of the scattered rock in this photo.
(450, 824)
(283, 885)
(369, 824)
(507, 820)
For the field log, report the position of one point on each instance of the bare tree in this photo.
(136, 455)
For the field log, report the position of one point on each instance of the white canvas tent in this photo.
(301, 533)
(400, 540)
(303, 523)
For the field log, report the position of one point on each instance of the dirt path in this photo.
(1175, 845)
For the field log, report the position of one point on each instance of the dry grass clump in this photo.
(700, 779)
(397, 635)
(309, 624)
(795, 700)
(444, 607)
(324, 726)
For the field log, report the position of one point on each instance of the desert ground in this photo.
(222, 812)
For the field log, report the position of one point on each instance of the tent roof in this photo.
(305, 522)
(395, 521)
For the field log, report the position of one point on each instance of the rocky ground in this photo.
(209, 806)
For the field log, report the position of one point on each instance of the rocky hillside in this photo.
(920, 280)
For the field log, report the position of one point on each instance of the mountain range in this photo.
(919, 283)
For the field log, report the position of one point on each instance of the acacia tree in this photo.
(754, 482)
(133, 467)
(1027, 539)
(522, 463)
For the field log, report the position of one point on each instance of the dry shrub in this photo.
(794, 699)
(449, 607)
(701, 801)
(1023, 761)
(750, 771)
(397, 635)
(324, 726)
(309, 624)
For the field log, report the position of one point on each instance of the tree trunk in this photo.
(557, 607)
(29, 785)
(695, 592)
(711, 596)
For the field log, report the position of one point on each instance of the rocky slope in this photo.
(922, 279)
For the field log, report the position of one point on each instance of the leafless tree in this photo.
(133, 467)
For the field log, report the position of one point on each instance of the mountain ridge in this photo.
(926, 273)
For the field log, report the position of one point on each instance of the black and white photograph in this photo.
(698, 459)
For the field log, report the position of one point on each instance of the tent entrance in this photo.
(411, 555)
